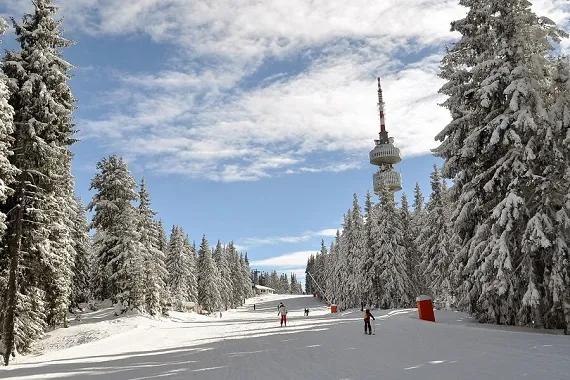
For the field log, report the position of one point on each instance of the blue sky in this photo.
(252, 120)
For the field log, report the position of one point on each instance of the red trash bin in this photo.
(333, 308)
(425, 308)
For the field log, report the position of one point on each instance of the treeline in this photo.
(135, 265)
(48, 261)
(375, 259)
(496, 243)
(280, 283)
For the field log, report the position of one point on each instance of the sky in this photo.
(251, 120)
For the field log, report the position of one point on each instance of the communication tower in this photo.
(385, 155)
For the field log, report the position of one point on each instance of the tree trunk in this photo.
(14, 246)
(566, 311)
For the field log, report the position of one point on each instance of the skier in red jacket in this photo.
(367, 326)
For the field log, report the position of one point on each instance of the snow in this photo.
(248, 344)
(261, 287)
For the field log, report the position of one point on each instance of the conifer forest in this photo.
(491, 238)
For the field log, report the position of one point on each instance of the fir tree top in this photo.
(3, 27)
(418, 199)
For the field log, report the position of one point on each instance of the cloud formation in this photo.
(270, 87)
(330, 232)
(285, 261)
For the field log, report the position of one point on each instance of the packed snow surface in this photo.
(248, 344)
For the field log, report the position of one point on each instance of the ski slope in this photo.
(248, 344)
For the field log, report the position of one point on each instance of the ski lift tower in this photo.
(385, 155)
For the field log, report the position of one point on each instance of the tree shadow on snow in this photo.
(226, 358)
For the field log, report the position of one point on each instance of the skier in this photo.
(283, 312)
(253, 307)
(367, 326)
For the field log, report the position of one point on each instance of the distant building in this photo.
(259, 289)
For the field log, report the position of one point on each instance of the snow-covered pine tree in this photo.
(7, 174)
(129, 261)
(191, 270)
(559, 279)
(436, 248)
(367, 262)
(237, 289)
(419, 199)
(357, 251)
(498, 148)
(7, 177)
(162, 239)
(246, 277)
(7, 170)
(342, 269)
(319, 269)
(177, 268)
(283, 284)
(334, 270)
(396, 286)
(115, 221)
(224, 273)
(309, 287)
(43, 127)
(274, 281)
(82, 260)
(294, 286)
(153, 257)
(208, 292)
(412, 252)
(418, 211)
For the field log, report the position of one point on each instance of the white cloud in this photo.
(288, 260)
(281, 127)
(330, 232)
(200, 120)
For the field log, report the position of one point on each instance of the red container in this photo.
(425, 308)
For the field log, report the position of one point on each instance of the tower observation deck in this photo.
(385, 155)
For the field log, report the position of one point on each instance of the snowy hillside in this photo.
(248, 344)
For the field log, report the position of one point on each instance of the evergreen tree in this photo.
(419, 199)
(274, 281)
(7, 177)
(283, 284)
(191, 270)
(309, 287)
(7, 170)
(224, 272)
(208, 292)
(162, 239)
(294, 285)
(501, 152)
(152, 255)
(436, 246)
(395, 285)
(335, 274)
(320, 269)
(38, 238)
(180, 267)
(367, 263)
(246, 277)
(82, 260)
(559, 280)
(412, 252)
(115, 220)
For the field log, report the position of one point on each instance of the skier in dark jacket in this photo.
(367, 326)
